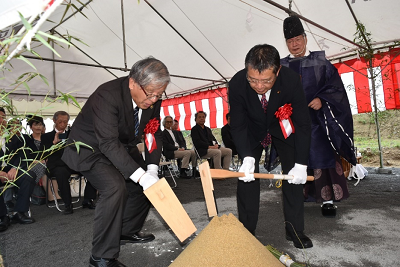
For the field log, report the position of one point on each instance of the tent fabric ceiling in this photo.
(214, 37)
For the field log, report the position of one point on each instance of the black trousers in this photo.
(248, 197)
(25, 183)
(121, 209)
(62, 174)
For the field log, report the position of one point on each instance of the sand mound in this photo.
(225, 242)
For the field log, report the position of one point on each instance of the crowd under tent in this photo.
(203, 44)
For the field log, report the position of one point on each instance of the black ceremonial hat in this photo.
(292, 27)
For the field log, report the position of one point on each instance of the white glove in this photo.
(147, 180)
(152, 169)
(248, 169)
(299, 173)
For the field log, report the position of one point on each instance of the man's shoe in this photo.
(4, 223)
(183, 174)
(196, 174)
(88, 204)
(137, 238)
(100, 262)
(69, 209)
(300, 240)
(10, 206)
(328, 210)
(20, 217)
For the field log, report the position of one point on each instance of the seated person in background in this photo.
(180, 139)
(22, 177)
(227, 136)
(59, 169)
(206, 144)
(174, 149)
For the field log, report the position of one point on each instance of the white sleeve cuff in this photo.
(137, 174)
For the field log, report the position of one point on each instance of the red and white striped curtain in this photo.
(386, 68)
(213, 102)
(354, 76)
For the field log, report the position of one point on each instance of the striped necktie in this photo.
(267, 139)
(136, 116)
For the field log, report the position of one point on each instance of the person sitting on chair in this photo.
(172, 148)
(206, 144)
(227, 136)
(59, 169)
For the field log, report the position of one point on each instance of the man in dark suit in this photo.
(206, 144)
(227, 136)
(112, 122)
(174, 148)
(257, 95)
(181, 140)
(57, 168)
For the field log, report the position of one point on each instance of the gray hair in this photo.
(166, 117)
(62, 113)
(150, 71)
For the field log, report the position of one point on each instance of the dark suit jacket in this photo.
(169, 144)
(107, 124)
(250, 124)
(21, 150)
(54, 159)
(200, 141)
(227, 138)
(180, 139)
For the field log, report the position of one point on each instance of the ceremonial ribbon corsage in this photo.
(149, 131)
(283, 114)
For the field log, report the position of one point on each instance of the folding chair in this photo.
(50, 184)
(171, 166)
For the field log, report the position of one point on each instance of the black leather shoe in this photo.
(4, 223)
(88, 204)
(196, 174)
(100, 262)
(69, 209)
(328, 210)
(20, 217)
(137, 238)
(300, 240)
(10, 206)
(183, 174)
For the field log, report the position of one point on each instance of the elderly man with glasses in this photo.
(112, 123)
(173, 148)
(263, 97)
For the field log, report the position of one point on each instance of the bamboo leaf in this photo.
(27, 87)
(44, 79)
(43, 41)
(26, 61)
(53, 37)
(27, 25)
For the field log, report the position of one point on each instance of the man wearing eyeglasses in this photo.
(112, 123)
(256, 94)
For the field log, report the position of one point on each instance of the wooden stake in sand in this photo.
(225, 242)
(170, 208)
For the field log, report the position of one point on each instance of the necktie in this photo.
(267, 139)
(136, 116)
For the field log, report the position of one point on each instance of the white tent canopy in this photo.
(205, 39)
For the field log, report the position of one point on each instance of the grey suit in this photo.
(106, 123)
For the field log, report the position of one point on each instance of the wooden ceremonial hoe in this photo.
(208, 174)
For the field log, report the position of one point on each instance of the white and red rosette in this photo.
(283, 114)
(149, 131)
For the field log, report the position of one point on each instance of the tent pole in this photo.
(110, 67)
(169, 24)
(287, 10)
(54, 67)
(123, 32)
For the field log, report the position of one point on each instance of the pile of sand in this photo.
(225, 242)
